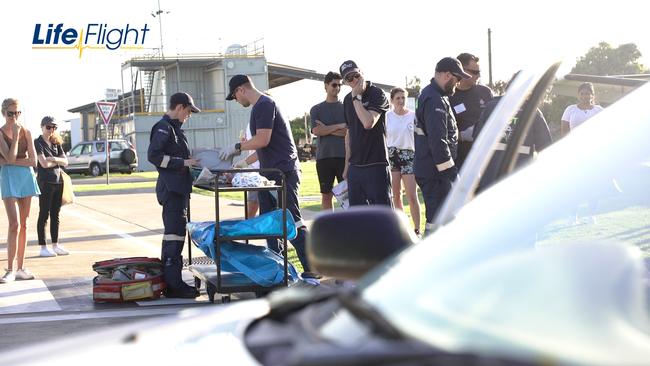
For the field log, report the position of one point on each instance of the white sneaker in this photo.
(24, 274)
(9, 276)
(60, 250)
(46, 252)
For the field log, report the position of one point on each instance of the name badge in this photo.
(460, 108)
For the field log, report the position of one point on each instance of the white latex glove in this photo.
(241, 164)
(227, 152)
(466, 134)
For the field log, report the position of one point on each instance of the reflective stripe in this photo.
(428, 226)
(300, 224)
(165, 161)
(446, 165)
(419, 131)
(173, 237)
(522, 149)
(106, 295)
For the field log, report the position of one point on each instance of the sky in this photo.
(389, 40)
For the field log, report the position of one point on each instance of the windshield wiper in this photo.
(352, 302)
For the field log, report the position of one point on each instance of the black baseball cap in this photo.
(235, 82)
(48, 120)
(452, 65)
(348, 67)
(184, 99)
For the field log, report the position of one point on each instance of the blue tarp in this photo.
(261, 265)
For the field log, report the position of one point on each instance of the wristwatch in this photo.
(238, 146)
(358, 97)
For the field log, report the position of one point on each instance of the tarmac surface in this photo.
(98, 226)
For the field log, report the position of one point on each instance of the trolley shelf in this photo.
(226, 283)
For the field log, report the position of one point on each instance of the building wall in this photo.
(221, 122)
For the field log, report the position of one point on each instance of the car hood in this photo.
(175, 340)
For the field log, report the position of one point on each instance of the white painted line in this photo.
(72, 232)
(26, 297)
(174, 301)
(112, 230)
(136, 312)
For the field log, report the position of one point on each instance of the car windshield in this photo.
(547, 263)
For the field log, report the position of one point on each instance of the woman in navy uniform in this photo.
(170, 153)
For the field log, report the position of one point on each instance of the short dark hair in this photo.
(332, 76)
(586, 86)
(465, 58)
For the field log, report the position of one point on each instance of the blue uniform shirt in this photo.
(168, 148)
(281, 152)
(436, 133)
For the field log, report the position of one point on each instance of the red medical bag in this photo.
(128, 279)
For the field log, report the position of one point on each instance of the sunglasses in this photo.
(335, 85)
(14, 113)
(474, 72)
(51, 127)
(351, 77)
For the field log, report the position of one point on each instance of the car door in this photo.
(74, 158)
(86, 156)
(116, 148)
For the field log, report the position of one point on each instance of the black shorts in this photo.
(328, 169)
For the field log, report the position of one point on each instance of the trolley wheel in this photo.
(197, 283)
(225, 299)
(211, 290)
(259, 294)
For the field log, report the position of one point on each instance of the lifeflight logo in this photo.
(97, 36)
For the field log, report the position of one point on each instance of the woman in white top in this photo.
(576, 114)
(400, 123)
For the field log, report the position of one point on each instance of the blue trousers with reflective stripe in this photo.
(174, 216)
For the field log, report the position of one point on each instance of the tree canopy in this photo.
(605, 60)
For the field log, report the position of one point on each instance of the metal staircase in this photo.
(148, 77)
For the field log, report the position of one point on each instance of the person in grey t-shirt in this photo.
(328, 123)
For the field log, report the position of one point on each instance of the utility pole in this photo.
(159, 15)
(490, 57)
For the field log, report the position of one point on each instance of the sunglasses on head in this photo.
(51, 127)
(351, 77)
(14, 113)
(474, 72)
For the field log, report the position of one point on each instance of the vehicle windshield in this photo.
(547, 263)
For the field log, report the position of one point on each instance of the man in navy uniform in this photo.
(468, 101)
(273, 142)
(170, 153)
(436, 137)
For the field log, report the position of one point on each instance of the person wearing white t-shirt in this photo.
(575, 114)
(400, 124)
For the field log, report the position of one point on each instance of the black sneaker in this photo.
(312, 275)
(184, 292)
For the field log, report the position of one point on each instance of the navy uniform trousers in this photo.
(174, 215)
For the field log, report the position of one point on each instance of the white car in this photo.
(508, 279)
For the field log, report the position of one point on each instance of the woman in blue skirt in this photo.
(18, 186)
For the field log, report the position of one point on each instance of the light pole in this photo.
(159, 14)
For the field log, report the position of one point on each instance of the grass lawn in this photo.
(309, 188)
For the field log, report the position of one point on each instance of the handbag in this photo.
(68, 194)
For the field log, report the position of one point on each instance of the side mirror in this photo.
(348, 244)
